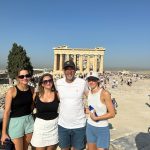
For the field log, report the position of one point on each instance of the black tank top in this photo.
(21, 103)
(47, 110)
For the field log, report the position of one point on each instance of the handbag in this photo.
(9, 145)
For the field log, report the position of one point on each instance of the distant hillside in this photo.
(129, 69)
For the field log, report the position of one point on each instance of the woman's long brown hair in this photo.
(41, 89)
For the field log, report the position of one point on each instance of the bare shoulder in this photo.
(11, 92)
(105, 96)
(105, 92)
(86, 93)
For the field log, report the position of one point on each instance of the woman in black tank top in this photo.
(45, 135)
(17, 118)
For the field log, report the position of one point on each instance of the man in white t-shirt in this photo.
(72, 120)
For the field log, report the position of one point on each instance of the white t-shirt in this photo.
(71, 109)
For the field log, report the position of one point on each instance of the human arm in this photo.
(85, 96)
(6, 115)
(33, 97)
(34, 109)
(57, 94)
(106, 99)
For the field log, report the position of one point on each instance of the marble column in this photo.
(88, 63)
(101, 64)
(81, 63)
(55, 62)
(67, 57)
(75, 59)
(60, 63)
(95, 63)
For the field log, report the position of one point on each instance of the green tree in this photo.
(18, 59)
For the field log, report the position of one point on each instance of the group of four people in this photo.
(60, 116)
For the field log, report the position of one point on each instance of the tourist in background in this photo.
(100, 110)
(72, 120)
(45, 134)
(17, 118)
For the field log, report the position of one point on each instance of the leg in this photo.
(28, 129)
(26, 140)
(78, 138)
(52, 147)
(64, 138)
(91, 137)
(18, 143)
(101, 149)
(33, 148)
(92, 146)
(103, 138)
(40, 148)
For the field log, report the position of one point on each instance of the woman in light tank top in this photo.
(100, 110)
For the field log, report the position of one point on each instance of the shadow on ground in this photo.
(142, 141)
(135, 141)
(147, 104)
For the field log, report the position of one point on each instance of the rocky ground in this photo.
(130, 125)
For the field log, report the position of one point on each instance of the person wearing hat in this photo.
(100, 110)
(72, 119)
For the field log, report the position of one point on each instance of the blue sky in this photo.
(120, 26)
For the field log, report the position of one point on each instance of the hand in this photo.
(86, 110)
(93, 116)
(3, 138)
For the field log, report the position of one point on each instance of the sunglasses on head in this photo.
(92, 79)
(23, 76)
(47, 81)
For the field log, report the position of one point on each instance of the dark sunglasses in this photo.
(92, 79)
(23, 76)
(47, 81)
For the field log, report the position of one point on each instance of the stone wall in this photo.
(3, 90)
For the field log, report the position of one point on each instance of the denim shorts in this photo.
(19, 126)
(71, 138)
(98, 135)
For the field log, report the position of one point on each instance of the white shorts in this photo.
(45, 132)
